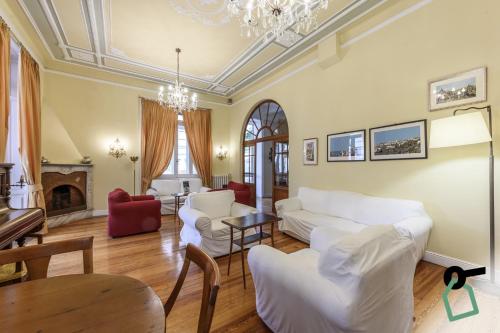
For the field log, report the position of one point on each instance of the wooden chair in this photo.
(211, 284)
(37, 257)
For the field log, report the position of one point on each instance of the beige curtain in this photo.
(159, 127)
(4, 87)
(30, 128)
(199, 134)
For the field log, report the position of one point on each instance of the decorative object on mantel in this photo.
(177, 95)
(116, 149)
(273, 18)
(134, 159)
(458, 89)
(45, 160)
(86, 160)
(221, 153)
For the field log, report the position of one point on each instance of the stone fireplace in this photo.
(67, 189)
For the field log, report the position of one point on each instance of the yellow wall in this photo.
(82, 117)
(382, 80)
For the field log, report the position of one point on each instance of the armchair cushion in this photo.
(238, 210)
(213, 204)
(142, 197)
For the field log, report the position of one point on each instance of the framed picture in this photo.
(399, 142)
(311, 151)
(458, 89)
(346, 147)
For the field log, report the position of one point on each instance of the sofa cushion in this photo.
(352, 257)
(166, 186)
(374, 211)
(306, 220)
(214, 204)
(315, 201)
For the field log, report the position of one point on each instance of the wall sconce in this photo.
(116, 149)
(221, 153)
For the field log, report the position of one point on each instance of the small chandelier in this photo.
(177, 96)
(276, 16)
(116, 149)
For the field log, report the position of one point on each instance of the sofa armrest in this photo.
(142, 197)
(287, 205)
(153, 192)
(417, 229)
(195, 218)
(238, 209)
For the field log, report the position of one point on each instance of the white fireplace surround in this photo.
(67, 169)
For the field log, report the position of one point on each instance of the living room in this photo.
(302, 102)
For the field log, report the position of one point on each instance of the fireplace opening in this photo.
(61, 197)
(64, 199)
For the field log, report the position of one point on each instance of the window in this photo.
(18, 196)
(181, 163)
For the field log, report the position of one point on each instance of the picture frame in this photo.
(403, 141)
(458, 89)
(310, 152)
(346, 146)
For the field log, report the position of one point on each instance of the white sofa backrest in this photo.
(214, 204)
(359, 207)
(166, 186)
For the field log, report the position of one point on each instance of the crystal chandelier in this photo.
(259, 17)
(177, 96)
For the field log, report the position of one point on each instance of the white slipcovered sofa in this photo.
(351, 212)
(162, 189)
(202, 214)
(351, 283)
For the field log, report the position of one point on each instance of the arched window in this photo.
(266, 123)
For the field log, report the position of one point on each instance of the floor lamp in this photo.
(466, 129)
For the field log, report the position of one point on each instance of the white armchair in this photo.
(202, 215)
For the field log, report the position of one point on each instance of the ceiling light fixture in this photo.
(260, 17)
(177, 97)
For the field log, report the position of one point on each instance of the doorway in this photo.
(265, 155)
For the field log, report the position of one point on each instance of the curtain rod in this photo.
(12, 34)
(153, 100)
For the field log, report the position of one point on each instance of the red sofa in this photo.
(130, 215)
(242, 192)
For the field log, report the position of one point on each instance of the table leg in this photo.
(260, 239)
(242, 249)
(272, 233)
(230, 251)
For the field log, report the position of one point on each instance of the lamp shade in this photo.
(466, 129)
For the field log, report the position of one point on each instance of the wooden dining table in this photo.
(81, 303)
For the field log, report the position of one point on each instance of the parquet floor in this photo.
(156, 259)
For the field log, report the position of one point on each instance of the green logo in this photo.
(449, 312)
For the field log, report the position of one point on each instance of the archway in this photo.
(265, 152)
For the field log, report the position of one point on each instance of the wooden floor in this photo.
(156, 259)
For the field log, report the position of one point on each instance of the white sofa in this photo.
(162, 189)
(351, 212)
(351, 283)
(202, 215)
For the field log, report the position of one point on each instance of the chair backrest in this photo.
(211, 284)
(37, 257)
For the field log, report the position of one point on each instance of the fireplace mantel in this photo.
(67, 169)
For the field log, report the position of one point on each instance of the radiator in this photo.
(220, 181)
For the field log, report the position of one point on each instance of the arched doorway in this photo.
(265, 152)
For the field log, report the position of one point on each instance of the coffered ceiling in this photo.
(138, 38)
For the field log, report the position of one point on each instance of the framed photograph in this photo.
(399, 142)
(311, 151)
(458, 89)
(346, 147)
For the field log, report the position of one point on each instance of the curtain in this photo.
(4, 87)
(30, 128)
(159, 127)
(199, 134)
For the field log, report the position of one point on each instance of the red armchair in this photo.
(130, 215)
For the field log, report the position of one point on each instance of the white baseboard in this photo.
(445, 261)
(99, 212)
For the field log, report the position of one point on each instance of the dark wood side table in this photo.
(177, 203)
(244, 223)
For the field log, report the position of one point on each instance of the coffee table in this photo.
(177, 202)
(244, 223)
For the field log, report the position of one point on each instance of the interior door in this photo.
(249, 168)
(280, 171)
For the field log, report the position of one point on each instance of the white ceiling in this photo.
(138, 39)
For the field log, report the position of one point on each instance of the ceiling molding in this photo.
(44, 17)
